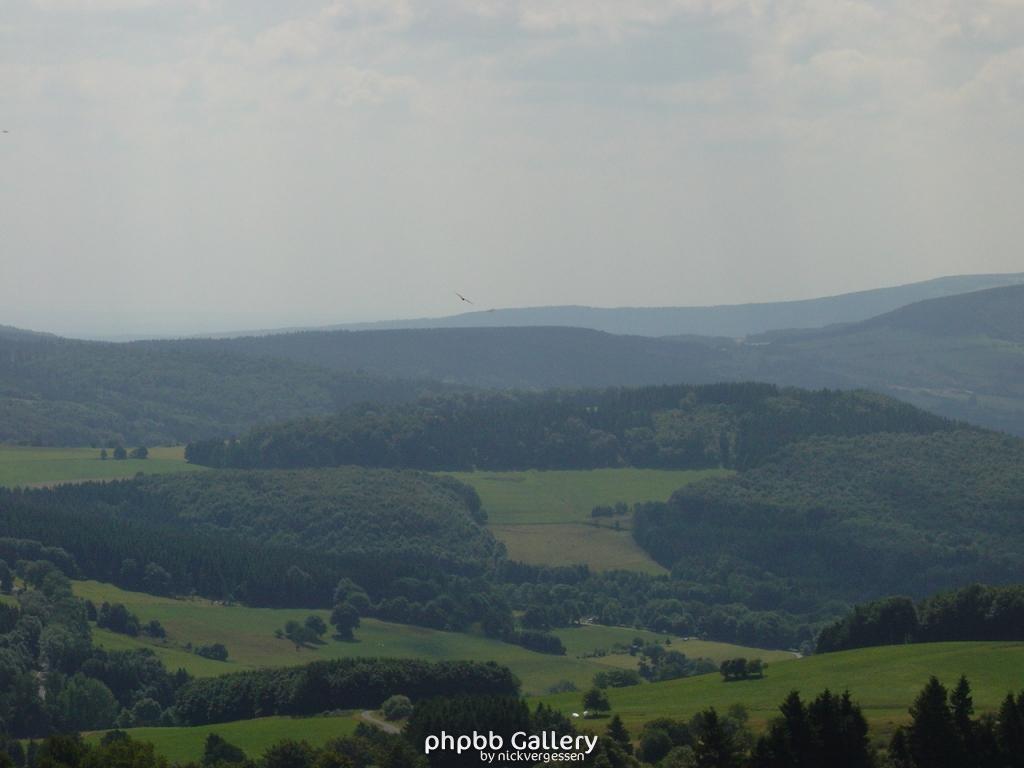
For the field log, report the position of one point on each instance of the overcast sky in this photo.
(174, 166)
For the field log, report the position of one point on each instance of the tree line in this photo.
(730, 425)
(116, 749)
(351, 683)
(975, 612)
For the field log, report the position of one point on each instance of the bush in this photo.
(397, 707)
(217, 751)
(216, 651)
(541, 642)
(617, 678)
(742, 669)
(117, 618)
(563, 686)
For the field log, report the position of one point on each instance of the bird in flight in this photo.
(463, 298)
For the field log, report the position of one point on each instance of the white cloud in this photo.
(303, 142)
(108, 6)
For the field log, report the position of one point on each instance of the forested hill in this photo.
(268, 538)
(996, 314)
(56, 391)
(497, 357)
(731, 425)
(10, 332)
(853, 518)
(960, 356)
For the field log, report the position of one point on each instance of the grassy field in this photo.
(248, 634)
(543, 517)
(181, 745)
(883, 680)
(46, 466)
(580, 641)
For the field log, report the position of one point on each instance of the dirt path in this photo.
(368, 717)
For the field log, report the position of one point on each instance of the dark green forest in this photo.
(852, 518)
(56, 391)
(431, 523)
(730, 425)
(976, 612)
(413, 543)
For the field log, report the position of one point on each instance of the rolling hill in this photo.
(500, 358)
(838, 497)
(883, 680)
(959, 356)
(851, 518)
(248, 634)
(56, 391)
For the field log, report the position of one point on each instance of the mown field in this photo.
(181, 745)
(248, 634)
(21, 466)
(543, 517)
(883, 680)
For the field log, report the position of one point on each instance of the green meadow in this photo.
(23, 466)
(181, 745)
(248, 634)
(883, 680)
(543, 517)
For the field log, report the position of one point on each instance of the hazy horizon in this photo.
(207, 166)
(215, 325)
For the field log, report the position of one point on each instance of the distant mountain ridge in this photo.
(959, 356)
(732, 320)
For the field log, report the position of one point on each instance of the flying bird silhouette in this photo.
(463, 298)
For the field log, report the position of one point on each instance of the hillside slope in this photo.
(884, 681)
(853, 518)
(496, 357)
(961, 356)
(56, 391)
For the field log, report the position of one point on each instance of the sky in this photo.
(184, 166)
